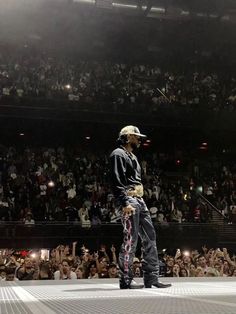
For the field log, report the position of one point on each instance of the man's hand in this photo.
(128, 210)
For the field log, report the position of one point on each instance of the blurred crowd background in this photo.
(118, 85)
(73, 73)
(56, 184)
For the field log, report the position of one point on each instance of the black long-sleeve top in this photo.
(125, 173)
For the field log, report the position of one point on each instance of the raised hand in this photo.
(113, 249)
(204, 248)
(95, 255)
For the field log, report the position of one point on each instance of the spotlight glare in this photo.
(200, 189)
(51, 184)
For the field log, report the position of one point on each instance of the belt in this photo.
(136, 191)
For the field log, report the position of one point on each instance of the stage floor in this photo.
(103, 296)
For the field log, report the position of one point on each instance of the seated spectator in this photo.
(84, 217)
(153, 212)
(95, 221)
(114, 215)
(28, 220)
(161, 218)
(176, 215)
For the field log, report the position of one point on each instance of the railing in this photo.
(163, 115)
(213, 206)
(15, 234)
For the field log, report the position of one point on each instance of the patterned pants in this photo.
(139, 224)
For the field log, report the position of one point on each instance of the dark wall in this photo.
(169, 236)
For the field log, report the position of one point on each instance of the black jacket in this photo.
(125, 173)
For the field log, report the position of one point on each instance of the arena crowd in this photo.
(31, 74)
(63, 263)
(58, 184)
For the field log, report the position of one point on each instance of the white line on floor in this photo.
(34, 305)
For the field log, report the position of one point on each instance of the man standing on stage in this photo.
(135, 217)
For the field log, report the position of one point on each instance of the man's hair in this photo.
(122, 140)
